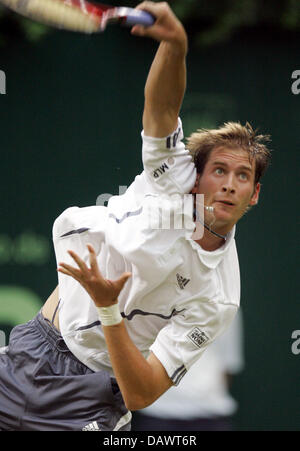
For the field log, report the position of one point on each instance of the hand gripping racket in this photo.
(78, 15)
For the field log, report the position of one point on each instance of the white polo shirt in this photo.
(179, 298)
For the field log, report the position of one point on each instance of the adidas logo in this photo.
(91, 427)
(182, 282)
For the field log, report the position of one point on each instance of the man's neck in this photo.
(209, 241)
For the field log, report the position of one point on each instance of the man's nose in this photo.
(228, 186)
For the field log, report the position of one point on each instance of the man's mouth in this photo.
(226, 202)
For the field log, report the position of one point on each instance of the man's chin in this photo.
(224, 222)
(223, 215)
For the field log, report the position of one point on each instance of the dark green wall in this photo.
(70, 130)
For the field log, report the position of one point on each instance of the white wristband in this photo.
(109, 316)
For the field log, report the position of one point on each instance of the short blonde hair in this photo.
(232, 135)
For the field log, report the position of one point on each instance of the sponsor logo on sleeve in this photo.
(198, 337)
(172, 140)
(161, 170)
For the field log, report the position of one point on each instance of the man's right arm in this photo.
(166, 82)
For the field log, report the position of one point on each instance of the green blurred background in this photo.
(70, 131)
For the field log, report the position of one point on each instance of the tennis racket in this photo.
(78, 15)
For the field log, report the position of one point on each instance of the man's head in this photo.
(230, 161)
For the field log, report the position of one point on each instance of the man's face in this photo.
(227, 183)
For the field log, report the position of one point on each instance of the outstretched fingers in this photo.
(69, 270)
(104, 292)
(79, 261)
(93, 260)
(84, 271)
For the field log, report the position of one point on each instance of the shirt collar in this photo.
(211, 259)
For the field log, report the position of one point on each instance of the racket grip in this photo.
(138, 17)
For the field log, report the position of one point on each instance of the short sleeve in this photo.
(74, 229)
(182, 342)
(168, 165)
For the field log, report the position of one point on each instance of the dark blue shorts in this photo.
(44, 387)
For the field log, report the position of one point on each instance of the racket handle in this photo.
(137, 17)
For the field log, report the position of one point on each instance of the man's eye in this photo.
(244, 176)
(219, 171)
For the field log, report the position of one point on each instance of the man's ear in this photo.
(195, 188)
(255, 195)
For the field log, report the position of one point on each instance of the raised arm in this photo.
(141, 380)
(166, 82)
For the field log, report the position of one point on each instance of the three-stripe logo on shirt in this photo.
(182, 282)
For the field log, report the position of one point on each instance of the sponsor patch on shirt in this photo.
(161, 170)
(198, 337)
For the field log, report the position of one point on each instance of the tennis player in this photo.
(136, 306)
